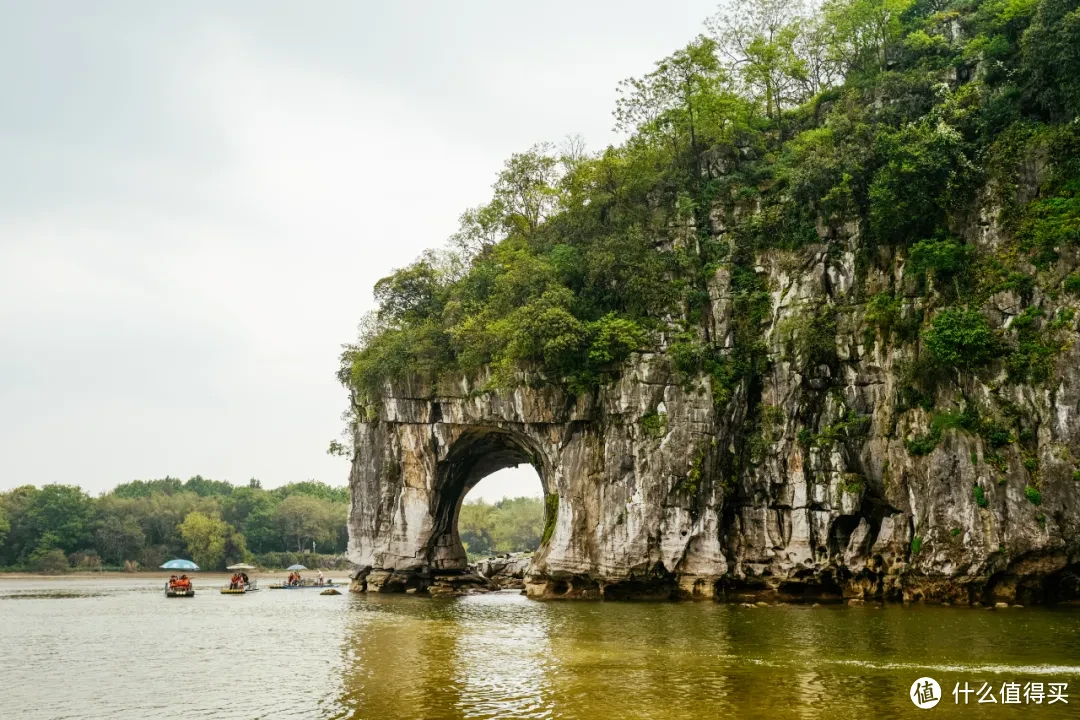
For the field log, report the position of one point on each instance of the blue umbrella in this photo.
(179, 565)
(296, 567)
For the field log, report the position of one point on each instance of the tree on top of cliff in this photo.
(889, 114)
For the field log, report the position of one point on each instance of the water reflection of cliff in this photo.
(487, 656)
(500, 656)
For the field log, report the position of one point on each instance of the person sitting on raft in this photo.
(184, 583)
(172, 582)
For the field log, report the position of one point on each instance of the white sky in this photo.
(198, 197)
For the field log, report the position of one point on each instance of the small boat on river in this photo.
(241, 584)
(305, 586)
(179, 587)
(295, 582)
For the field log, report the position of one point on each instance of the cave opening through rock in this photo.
(491, 499)
(503, 513)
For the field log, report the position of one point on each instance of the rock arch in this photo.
(478, 452)
(633, 506)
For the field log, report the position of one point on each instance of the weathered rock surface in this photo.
(506, 571)
(636, 512)
(825, 502)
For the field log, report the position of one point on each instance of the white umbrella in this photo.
(241, 566)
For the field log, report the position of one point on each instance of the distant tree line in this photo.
(141, 524)
(509, 525)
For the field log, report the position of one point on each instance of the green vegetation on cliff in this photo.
(770, 131)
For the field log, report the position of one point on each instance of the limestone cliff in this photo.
(814, 344)
(800, 486)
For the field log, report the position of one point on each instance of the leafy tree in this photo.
(118, 535)
(760, 41)
(509, 525)
(146, 488)
(517, 524)
(481, 228)
(526, 189)
(944, 258)
(21, 537)
(260, 529)
(1051, 58)
(205, 488)
(163, 514)
(474, 523)
(410, 294)
(866, 34)
(47, 560)
(5, 526)
(670, 100)
(206, 538)
(923, 174)
(314, 488)
(960, 338)
(236, 549)
(59, 516)
(303, 519)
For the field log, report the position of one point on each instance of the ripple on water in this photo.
(52, 595)
(118, 649)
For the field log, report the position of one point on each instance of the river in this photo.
(115, 647)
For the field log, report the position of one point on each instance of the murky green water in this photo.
(116, 648)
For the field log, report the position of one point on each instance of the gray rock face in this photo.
(826, 503)
(637, 509)
(506, 571)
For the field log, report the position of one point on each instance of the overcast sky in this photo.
(197, 198)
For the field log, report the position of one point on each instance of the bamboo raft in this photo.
(172, 593)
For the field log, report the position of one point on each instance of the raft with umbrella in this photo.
(305, 584)
(172, 591)
(248, 586)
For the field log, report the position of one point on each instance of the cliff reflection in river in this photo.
(122, 650)
(499, 655)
